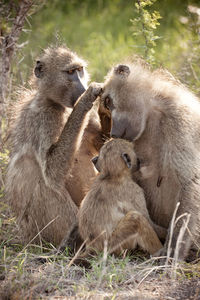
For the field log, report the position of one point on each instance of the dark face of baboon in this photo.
(115, 158)
(62, 75)
(123, 99)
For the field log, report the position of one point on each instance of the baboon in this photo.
(162, 118)
(96, 133)
(45, 137)
(115, 209)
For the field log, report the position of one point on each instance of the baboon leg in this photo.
(72, 240)
(132, 230)
(51, 221)
(160, 231)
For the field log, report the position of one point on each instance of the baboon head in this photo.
(125, 98)
(116, 157)
(61, 75)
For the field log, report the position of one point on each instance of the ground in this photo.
(24, 275)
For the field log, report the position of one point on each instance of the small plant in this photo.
(108, 273)
(144, 25)
(4, 156)
(189, 71)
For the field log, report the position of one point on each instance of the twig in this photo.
(178, 243)
(171, 233)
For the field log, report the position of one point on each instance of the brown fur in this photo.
(115, 209)
(163, 119)
(105, 119)
(45, 137)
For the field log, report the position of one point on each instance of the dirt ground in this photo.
(27, 278)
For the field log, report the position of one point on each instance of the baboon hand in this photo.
(94, 90)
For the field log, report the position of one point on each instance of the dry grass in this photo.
(23, 275)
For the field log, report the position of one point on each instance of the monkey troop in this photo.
(56, 131)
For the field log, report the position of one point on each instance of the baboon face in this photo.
(115, 157)
(124, 99)
(62, 75)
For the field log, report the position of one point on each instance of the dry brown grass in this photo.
(24, 276)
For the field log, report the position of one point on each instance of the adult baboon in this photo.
(115, 209)
(45, 137)
(163, 119)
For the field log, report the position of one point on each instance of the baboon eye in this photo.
(107, 102)
(126, 159)
(71, 71)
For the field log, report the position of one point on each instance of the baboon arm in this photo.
(134, 229)
(60, 155)
(189, 204)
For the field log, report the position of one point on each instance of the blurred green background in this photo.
(101, 32)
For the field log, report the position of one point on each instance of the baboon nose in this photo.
(95, 159)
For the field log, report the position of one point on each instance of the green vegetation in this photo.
(102, 32)
(147, 22)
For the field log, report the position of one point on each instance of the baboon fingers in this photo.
(83, 260)
(90, 95)
(96, 88)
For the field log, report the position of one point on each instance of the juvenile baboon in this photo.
(163, 119)
(45, 137)
(115, 209)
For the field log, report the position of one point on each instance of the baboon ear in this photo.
(122, 70)
(39, 69)
(126, 159)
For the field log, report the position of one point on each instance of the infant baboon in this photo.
(83, 172)
(115, 209)
(45, 137)
(163, 119)
(105, 119)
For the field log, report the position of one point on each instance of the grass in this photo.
(24, 275)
